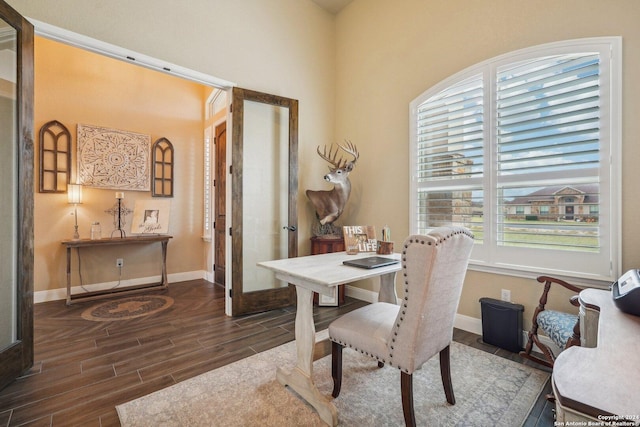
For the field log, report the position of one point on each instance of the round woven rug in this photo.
(127, 308)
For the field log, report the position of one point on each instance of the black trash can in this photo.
(502, 324)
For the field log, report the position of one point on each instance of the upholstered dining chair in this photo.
(562, 328)
(409, 334)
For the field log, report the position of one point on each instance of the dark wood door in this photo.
(16, 193)
(220, 203)
(568, 210)
(264, 187)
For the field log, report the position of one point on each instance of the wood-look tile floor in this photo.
(83, 368)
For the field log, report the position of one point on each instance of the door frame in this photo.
(18, 356)
(270, 299)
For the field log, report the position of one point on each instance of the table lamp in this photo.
(74, 194)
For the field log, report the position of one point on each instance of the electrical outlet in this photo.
(119, 262)
(505, 295)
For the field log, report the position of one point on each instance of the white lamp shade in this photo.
(74, 193)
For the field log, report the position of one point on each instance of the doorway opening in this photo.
(53, 35)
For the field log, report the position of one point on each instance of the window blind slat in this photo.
(537, 108)
(513, 88)
(560, 90)
(543, 63)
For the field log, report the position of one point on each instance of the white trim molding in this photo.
(93, 45)
(61, 293)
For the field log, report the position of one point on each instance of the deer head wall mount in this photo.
(329, 204)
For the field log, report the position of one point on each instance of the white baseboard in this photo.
(208, 276)
(61, 293)
(361, 294)
(466, 323)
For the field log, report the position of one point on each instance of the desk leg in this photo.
(301, 377)
(387, 291)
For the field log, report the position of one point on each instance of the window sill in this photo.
(578, 281)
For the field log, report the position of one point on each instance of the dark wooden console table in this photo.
(82, 243)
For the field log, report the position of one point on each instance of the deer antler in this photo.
(351, 149)
(331, 156)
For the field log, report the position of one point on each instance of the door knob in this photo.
(289, 227)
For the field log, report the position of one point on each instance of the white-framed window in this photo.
(216, 102)
(524, 150)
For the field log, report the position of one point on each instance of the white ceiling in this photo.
(333, 6)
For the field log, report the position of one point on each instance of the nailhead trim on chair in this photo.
(404, 304)
(406, 283)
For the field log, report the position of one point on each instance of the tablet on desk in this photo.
(370, 262)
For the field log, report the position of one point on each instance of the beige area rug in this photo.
(127, 308)
(489, 391)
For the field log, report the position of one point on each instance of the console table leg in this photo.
(68, 275)
(164, 280)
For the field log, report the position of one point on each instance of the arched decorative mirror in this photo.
(163, 163)
(55, 157)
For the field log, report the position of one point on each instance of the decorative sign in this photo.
(112, 158)
(151, 217)
(360, 238)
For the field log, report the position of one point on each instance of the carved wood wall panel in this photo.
(112, 158)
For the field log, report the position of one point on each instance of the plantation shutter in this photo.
(548, 115)
(450, 144)
(548, 152)
(450, 133)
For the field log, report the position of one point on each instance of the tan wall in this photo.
(381, 54)
(283, 47)
(388, 53)
(74, 86)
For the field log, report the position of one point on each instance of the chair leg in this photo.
(336, 368)
(406, 385)
(445, 373)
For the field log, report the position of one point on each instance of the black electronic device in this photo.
(626, 292)
(370, 262)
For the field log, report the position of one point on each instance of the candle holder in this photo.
(119, 212)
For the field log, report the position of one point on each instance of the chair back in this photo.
(433, 271)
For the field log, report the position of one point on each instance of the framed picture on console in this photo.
(151, 217)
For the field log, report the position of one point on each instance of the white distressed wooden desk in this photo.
(597, 383)
(321, 273)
